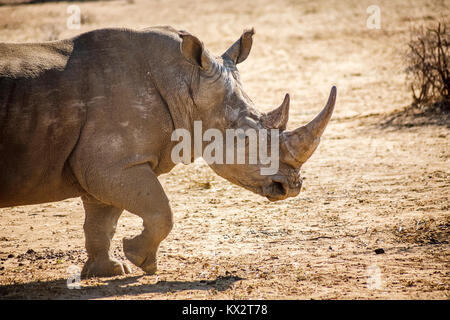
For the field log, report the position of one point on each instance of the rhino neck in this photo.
(177, 103)
(174, 79)
(169, 74)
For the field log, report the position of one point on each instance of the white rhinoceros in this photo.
(93, 116)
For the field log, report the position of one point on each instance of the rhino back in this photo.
(40, 119)
(46, 91)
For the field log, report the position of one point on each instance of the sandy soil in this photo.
(372, 184)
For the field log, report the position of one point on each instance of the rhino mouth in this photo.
(275, 190)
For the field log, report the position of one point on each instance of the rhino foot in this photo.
(104, 268)
(134, 252)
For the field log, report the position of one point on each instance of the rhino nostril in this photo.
(279, 188)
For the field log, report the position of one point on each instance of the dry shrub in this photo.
(428, 66)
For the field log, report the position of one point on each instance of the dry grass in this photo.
(428, 66)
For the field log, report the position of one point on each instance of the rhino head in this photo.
(220, 101)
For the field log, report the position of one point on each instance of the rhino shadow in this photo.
(57, 289)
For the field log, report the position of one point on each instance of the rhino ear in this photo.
(193, 50)
(240, 50)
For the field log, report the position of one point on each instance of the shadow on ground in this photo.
(414, 117)
(57, 289)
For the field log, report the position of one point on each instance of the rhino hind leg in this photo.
(99, 227)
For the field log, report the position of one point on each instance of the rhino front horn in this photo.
(301, 143)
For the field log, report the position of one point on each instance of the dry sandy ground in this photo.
(368, 186)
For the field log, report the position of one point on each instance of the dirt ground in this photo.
(378, 180)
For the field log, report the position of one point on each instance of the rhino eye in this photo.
(252, 123)
(248, 123)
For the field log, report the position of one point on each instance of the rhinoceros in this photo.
(92, 117)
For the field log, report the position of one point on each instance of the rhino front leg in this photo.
(99, 227)
(137, 190)
(141, 250)
(151, 204)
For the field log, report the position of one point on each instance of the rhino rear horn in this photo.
(240, 50)
(278, 118)
(303, 141)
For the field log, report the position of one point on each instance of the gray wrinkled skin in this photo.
(92, 116)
